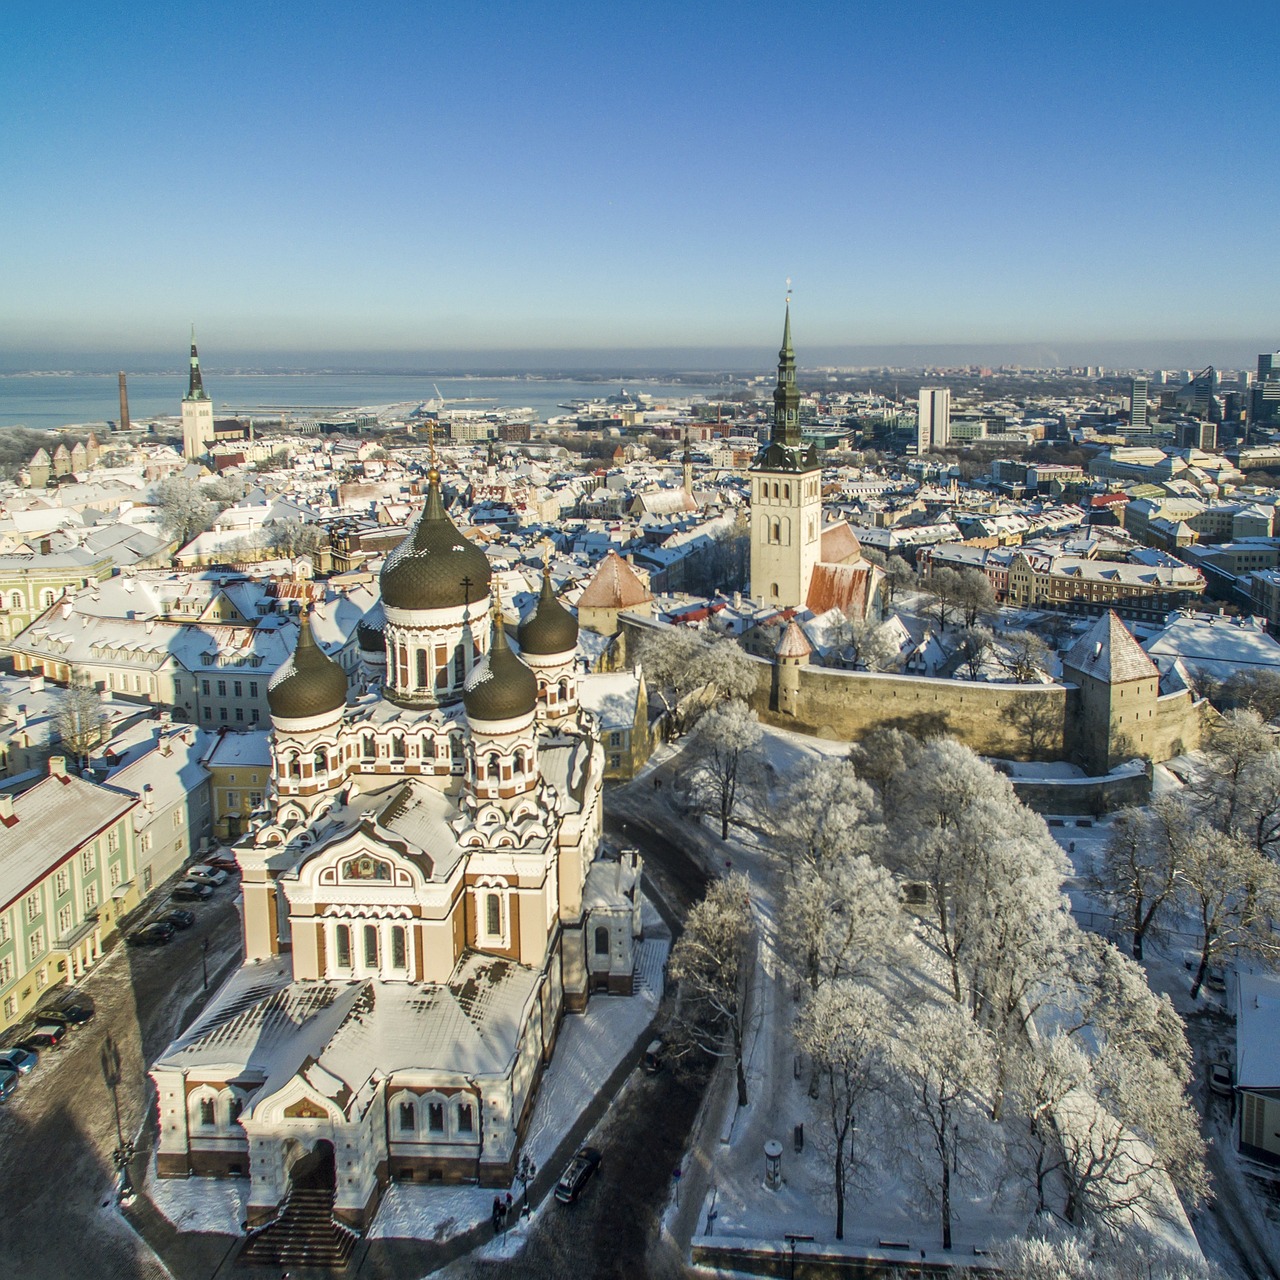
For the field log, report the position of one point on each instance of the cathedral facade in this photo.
(424, 899)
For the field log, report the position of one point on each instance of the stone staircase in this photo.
(304, 1235)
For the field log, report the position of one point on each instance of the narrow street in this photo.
(58, 1131)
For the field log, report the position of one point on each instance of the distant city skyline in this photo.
(488, 180)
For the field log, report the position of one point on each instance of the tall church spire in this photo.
(786, 396)
(195, 384)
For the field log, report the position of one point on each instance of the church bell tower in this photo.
(786, 497)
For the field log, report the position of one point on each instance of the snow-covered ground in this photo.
(590, 1047)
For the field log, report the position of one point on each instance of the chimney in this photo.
(124, 403)
(148, 798)
(35, 683)
(7, 815)
(57, 766)
(46, 546)
(20, 718)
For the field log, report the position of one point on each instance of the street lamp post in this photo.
(122, 1156)
(792, 1241)
(204, 962)
(526, 1171)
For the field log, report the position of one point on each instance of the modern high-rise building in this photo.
(1264, 395)
(1196, 395)
(934, 429)
(1138, 406)
(197, 411)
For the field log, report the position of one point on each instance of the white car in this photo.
(207, 875)
(1221, 1080)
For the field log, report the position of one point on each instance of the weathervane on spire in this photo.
(431, 448)
(788, 291)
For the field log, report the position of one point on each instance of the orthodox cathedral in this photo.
(424, 899)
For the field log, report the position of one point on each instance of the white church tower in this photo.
(786, 498)
(197, 411)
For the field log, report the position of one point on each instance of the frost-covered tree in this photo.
(873, 646)
(975, 644)
(679, 664)
(80, 720)
(1057, 1254)
(823, 813)
(1234, 750)
(888, 760)
(721, 755)
(296, 538)
(1139, 867)
(944, 1069)
(944, 590)
(710, 962)
(842, 1031)
(1233, 893)
(1104, 1095)
(1023, 655)
(840, 920)
(185, 508)
(976, 597)
(899, 576)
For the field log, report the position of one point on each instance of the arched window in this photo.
(408, 1117)
(399, 951)
(518, 765)
(564, 690)
(773, 589)
(775, 531)
(320, 762)
(786, 492)
(493, 915)
(293, 765)
(422, 668)
(15, 599)
(602, 940)
(397, 746)
(495, 766)
(466, 1123)
(435, 1117)
(371, 945)
(368, 747)
(459, 665)
(46, 597)
(208, 1113)
(342, 946)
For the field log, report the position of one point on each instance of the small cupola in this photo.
(308, 683)
(550, 628)
(501, 687)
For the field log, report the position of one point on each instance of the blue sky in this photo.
(434, 178)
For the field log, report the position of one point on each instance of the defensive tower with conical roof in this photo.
(197, 410)
(786, 496)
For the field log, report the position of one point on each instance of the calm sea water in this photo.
(55, 400)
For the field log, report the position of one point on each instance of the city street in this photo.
(58, 1131)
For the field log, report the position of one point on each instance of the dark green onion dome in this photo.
(501, 687)
(307, 683)
(370, 629)
(550, 628)
(427, 570)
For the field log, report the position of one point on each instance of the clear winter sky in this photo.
(429, 177)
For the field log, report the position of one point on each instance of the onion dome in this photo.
(500, 687)
(307, 683)
(550, 628)
(435, 567)
(370, 628)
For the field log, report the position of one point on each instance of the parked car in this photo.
(46, 1035)
(582, 1168)
(220, 862)
(156, 934)
(191, 891)
(23, 1061)
(180, 918)
(72, 1008)
(1221, 1080)
(8, 1083)
(207, 875)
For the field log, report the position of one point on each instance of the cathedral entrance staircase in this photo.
(305, 1234)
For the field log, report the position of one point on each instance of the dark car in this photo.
(220, 863)
(23, 1061)
(151, 935)
(582, 1168)
(48, 1035)
(8, 1083)
(179, 918)
(190, 891)
(72, 1008)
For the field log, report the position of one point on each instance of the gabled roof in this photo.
(847, 587)
(794, 643)
(1108, 651)
(615, 585)
(840, 544)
